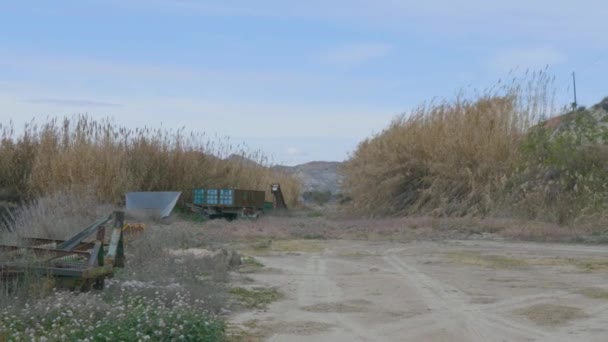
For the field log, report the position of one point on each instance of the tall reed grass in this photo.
(451, 157)
(76, 153)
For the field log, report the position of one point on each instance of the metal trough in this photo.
(158, 203)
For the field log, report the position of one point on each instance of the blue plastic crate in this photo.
(212, 197)
(199, 196)
(226, 197)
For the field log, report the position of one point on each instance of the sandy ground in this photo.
(433, 291)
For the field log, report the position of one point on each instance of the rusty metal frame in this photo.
(87, 262)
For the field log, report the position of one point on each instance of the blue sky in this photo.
(302, 80)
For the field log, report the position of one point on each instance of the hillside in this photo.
(316, 175)
(595, 115)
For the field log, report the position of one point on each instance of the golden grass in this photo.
(446, 158)
(59, 155)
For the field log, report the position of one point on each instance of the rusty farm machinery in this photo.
(81, 262)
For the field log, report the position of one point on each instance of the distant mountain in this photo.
(316, 175)
(236, 158)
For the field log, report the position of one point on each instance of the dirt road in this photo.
(429, 291)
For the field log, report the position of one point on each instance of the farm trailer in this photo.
(235, 203)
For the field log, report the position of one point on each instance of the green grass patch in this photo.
(256, 297)
(592, 265)
(594, 293)
(314, 236)
(491, 261)
(314, 213)
(251, 261)
(188, 215)
(551, 315)
(250, 265)
(308, 246)
(262, 245)
(357, 254)
(267, 247)
(586, 265)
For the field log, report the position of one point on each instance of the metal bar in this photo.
(115, 255)
(77, 239)
(44, 251)
(33, 242)
(279, 200)
(40, 241)
(89, 272)
(96, 259)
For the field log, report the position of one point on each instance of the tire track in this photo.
(317, 288)
(451, 310)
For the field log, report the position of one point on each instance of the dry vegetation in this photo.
(553, 315)
(81, 153)
(300, 233)
(58, 177)
(470, 168)
(159, 295)
(484, 155)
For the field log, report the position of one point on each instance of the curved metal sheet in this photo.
(153, 202)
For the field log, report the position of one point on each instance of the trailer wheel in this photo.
(99, 283)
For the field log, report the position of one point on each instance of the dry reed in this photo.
(447, 158)
(66, 155)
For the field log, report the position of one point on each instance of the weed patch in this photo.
(129, 317)
(550, 314)
(592, 265)
(256, 297)
(250, 265)
(594, 293)
(492, 261)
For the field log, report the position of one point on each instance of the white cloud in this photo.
(526, 58)
(351, 55)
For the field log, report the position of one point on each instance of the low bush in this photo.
(317, 197)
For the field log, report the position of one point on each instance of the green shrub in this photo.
(564, 170)
(318, 197)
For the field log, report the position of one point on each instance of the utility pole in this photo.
(574, 104)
